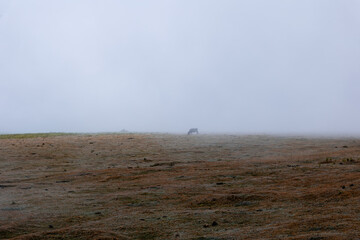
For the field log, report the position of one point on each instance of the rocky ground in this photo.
(158, 186)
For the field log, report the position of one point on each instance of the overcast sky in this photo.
(254, 66)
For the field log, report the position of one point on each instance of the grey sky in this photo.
(255, 66)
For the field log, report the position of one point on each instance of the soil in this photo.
(163, 186)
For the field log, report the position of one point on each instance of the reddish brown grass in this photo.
(151, 186)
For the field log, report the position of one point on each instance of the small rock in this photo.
(351, 185)
(206, 226)
(51, 226)
(214, 224)
(345, 146)
(219, 183)
(343, 187)
(98, 213)
(62, 181)
(243, 203)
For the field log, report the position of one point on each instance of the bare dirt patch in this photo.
(152, 186)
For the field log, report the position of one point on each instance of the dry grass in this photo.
(151, 186)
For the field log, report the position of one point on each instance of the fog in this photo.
(256, 66)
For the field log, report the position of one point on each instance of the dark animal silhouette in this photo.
(193, 130)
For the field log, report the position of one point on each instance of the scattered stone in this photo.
(98, 213)
(293, 165)
(91, 142)
(351, 185)
(51, 226)
(92, 151)
(345, 146)
(210, 238)
(206, 226)
(244, 203)
(259, 210)
(219, 183)
(12, 209)
(214, 224)
(343, 187)
(316, 238)
(5, 186)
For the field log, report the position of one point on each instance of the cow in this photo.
(193, 130)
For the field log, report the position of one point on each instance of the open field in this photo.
(153, 186)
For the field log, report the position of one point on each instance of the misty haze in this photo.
(167, 66)
(179, 119)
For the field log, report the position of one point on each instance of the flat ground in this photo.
(152, 186)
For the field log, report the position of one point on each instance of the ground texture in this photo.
(153, 186)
